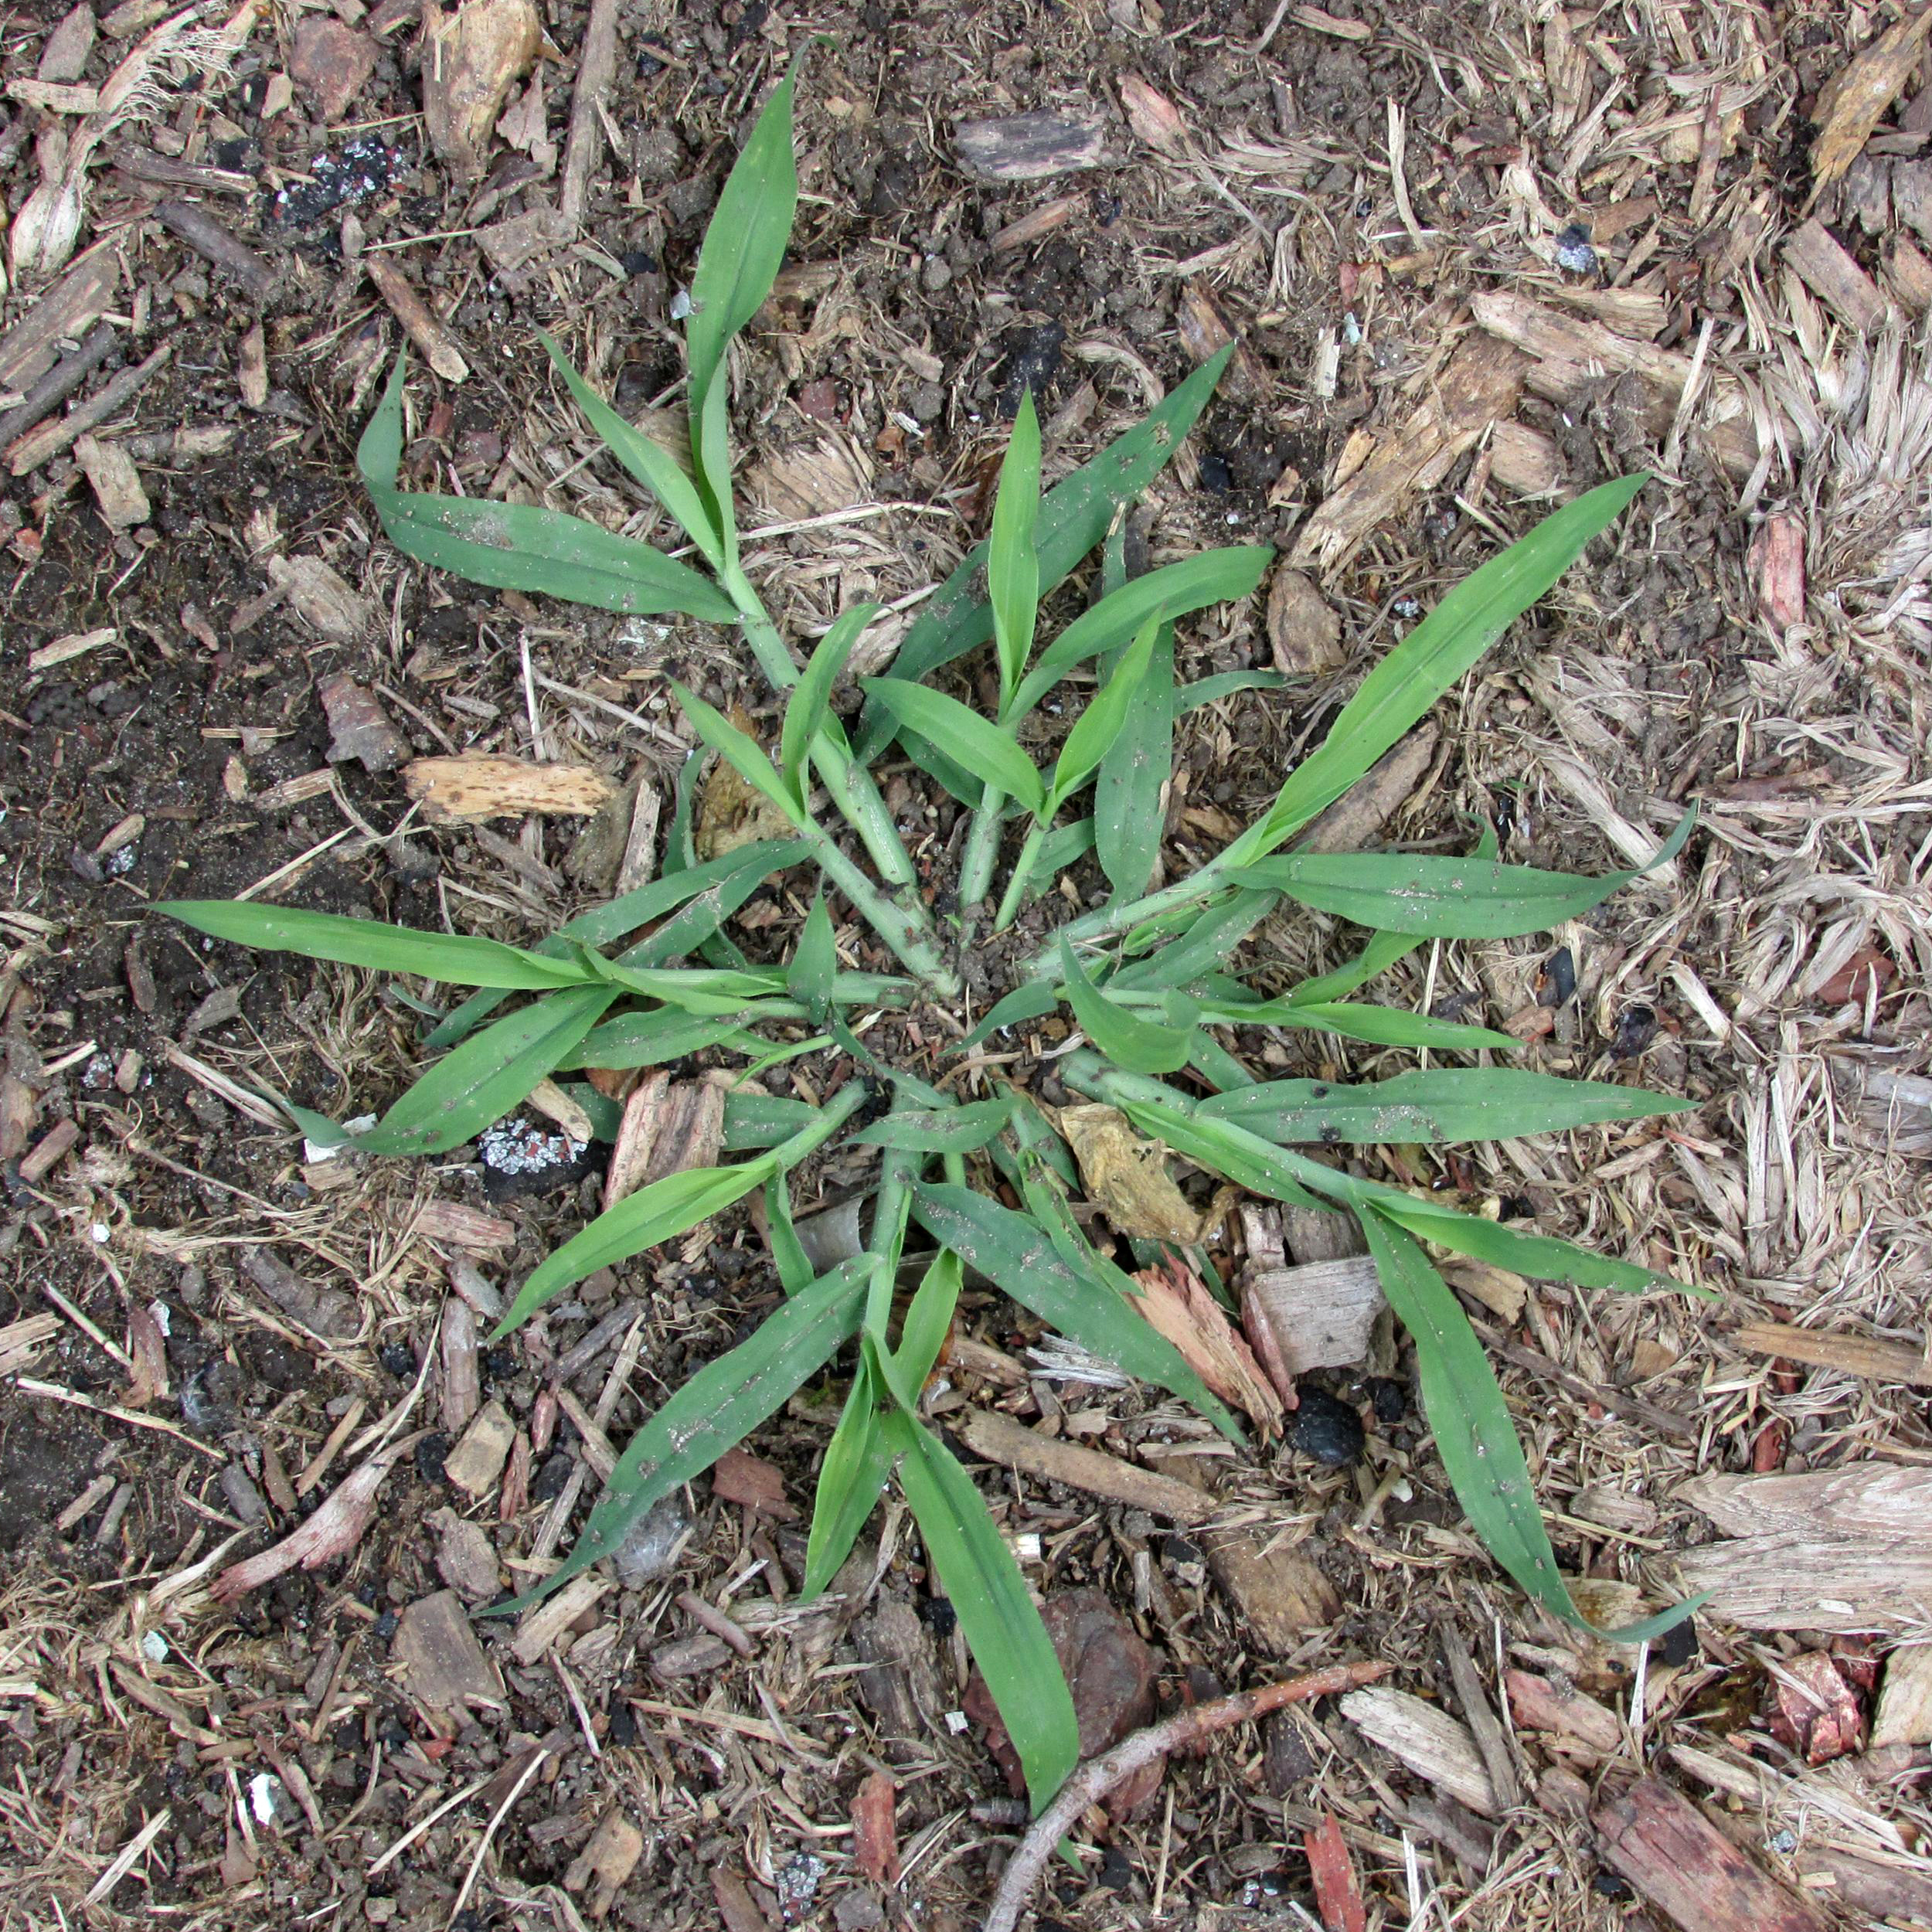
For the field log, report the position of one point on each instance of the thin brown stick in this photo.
(1093, 1780)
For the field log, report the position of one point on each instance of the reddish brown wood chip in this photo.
(875, 1838)
(739, 1476)
(1337, 1897)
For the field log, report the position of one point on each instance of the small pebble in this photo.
(1636, 1028)
(1574, 251)
(1388, 1398)
(1326, 1429)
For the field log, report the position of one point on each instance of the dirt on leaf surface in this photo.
(1477, 260)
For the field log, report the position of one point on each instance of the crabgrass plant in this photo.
(652, 978)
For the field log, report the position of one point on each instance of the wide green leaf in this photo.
(1439, 1104)
(744, 243)
(1131, 790)
(1012, 565)
(945, 1130)
(1073, 1293)
(753, 1120)
(481, 1081)
(715, 1410)
(743, 754)
(1140, 1046)
(1032, 999)
(1073, 517)
(452, 957)
(1002, 1628)
(1213, 576)
(1474, 1437)
(983, 748)
(814, 961)
(650, 462)
(1377, 1025)
(850, 1479)
(929, 1319)
(511, 546)
(810, 700)
(1205, 947)
(1097, 727)
(1443, 898)
(1432, 660)
(658, 1213)
(1375, 958)
(656, 1038)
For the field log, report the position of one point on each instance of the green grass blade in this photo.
(483, 1079)
(520, 547)
(1432, 659)
(452, 957)
(716, 1410)
(982, 747)
(1375, 958)
(743, 754)
(1012, 565)
(811, 699)
(656, 1213)
(711, 457)
(656, 1038)
(1474, 1437)
(1002, 1628)
(929, 1319)
(850, 1481)
(763, 1120)
(1076, 1294)
(1205, 947)
(1225, 684)
(1073, 517)
(787, 1252)
(744, 242)
(950, 1130)
(1376, 1025)
(814, 961)
(1033, 1000)
(1214, 576)
(1441, 1105)
(1061, 848)
(1140, 1046)
(1130, 794)
(1445, 898)
(650, 462)
(1096, 729)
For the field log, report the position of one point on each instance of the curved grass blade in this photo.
(814, 961)
(1474, 1437)
(1059, 849)
(763, 1120)
(1098, 726)
(1130, 792)
(699, 898)
(787, 1253)
(1002, 1628)
(1376, 1025)
(511, 546)
(1224, 684)
(1431, 660)
(950, 1130)
(1073, 517)
(744, 243)
(1445, 898)
(1205, 948)
(851, 1479)
(650, 462)
(810, 700)
(977, 743)
(743, 754)
(1439, 1104)
(1032, 1000)
(1213, 576)
(1014, 1253)
(655, 1213)
(1377, 957)
(1140, 1046)
(491, 1073)
(1012, 565)
(929, 1319)
(715, 1410)
(453, 958)
(656, 1038)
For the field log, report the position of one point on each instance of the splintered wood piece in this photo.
(1000, 1439)
(476, 1462)
(542, 1627)
(1554, 1705)
(1525, 461)
(611, 1857)
(472, 56)
(1355, 818)
(1844, 1551)
(1893, 1106)
(318, 594)
(1777, 563)
(1571, 355)
(473, 785)
(1337, 1895)
(1477, 389)
(64, 314)
(459, 1226)
(1426, 1739)
(1858, 1354)
(875, 1837)
(331, 1313)
(1175, 1300)
(1281, 1594)
(1850, 104)
(462, 1392)
(116, 483)
(667, 1127)
(1681, 1864)
(358, 727)
(443, 1664)
(425, 329)
(1318, 1316)
(1905, 1699)
(27, 452)
(1831, 275)
(1027, 147)
(1488, 1733)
